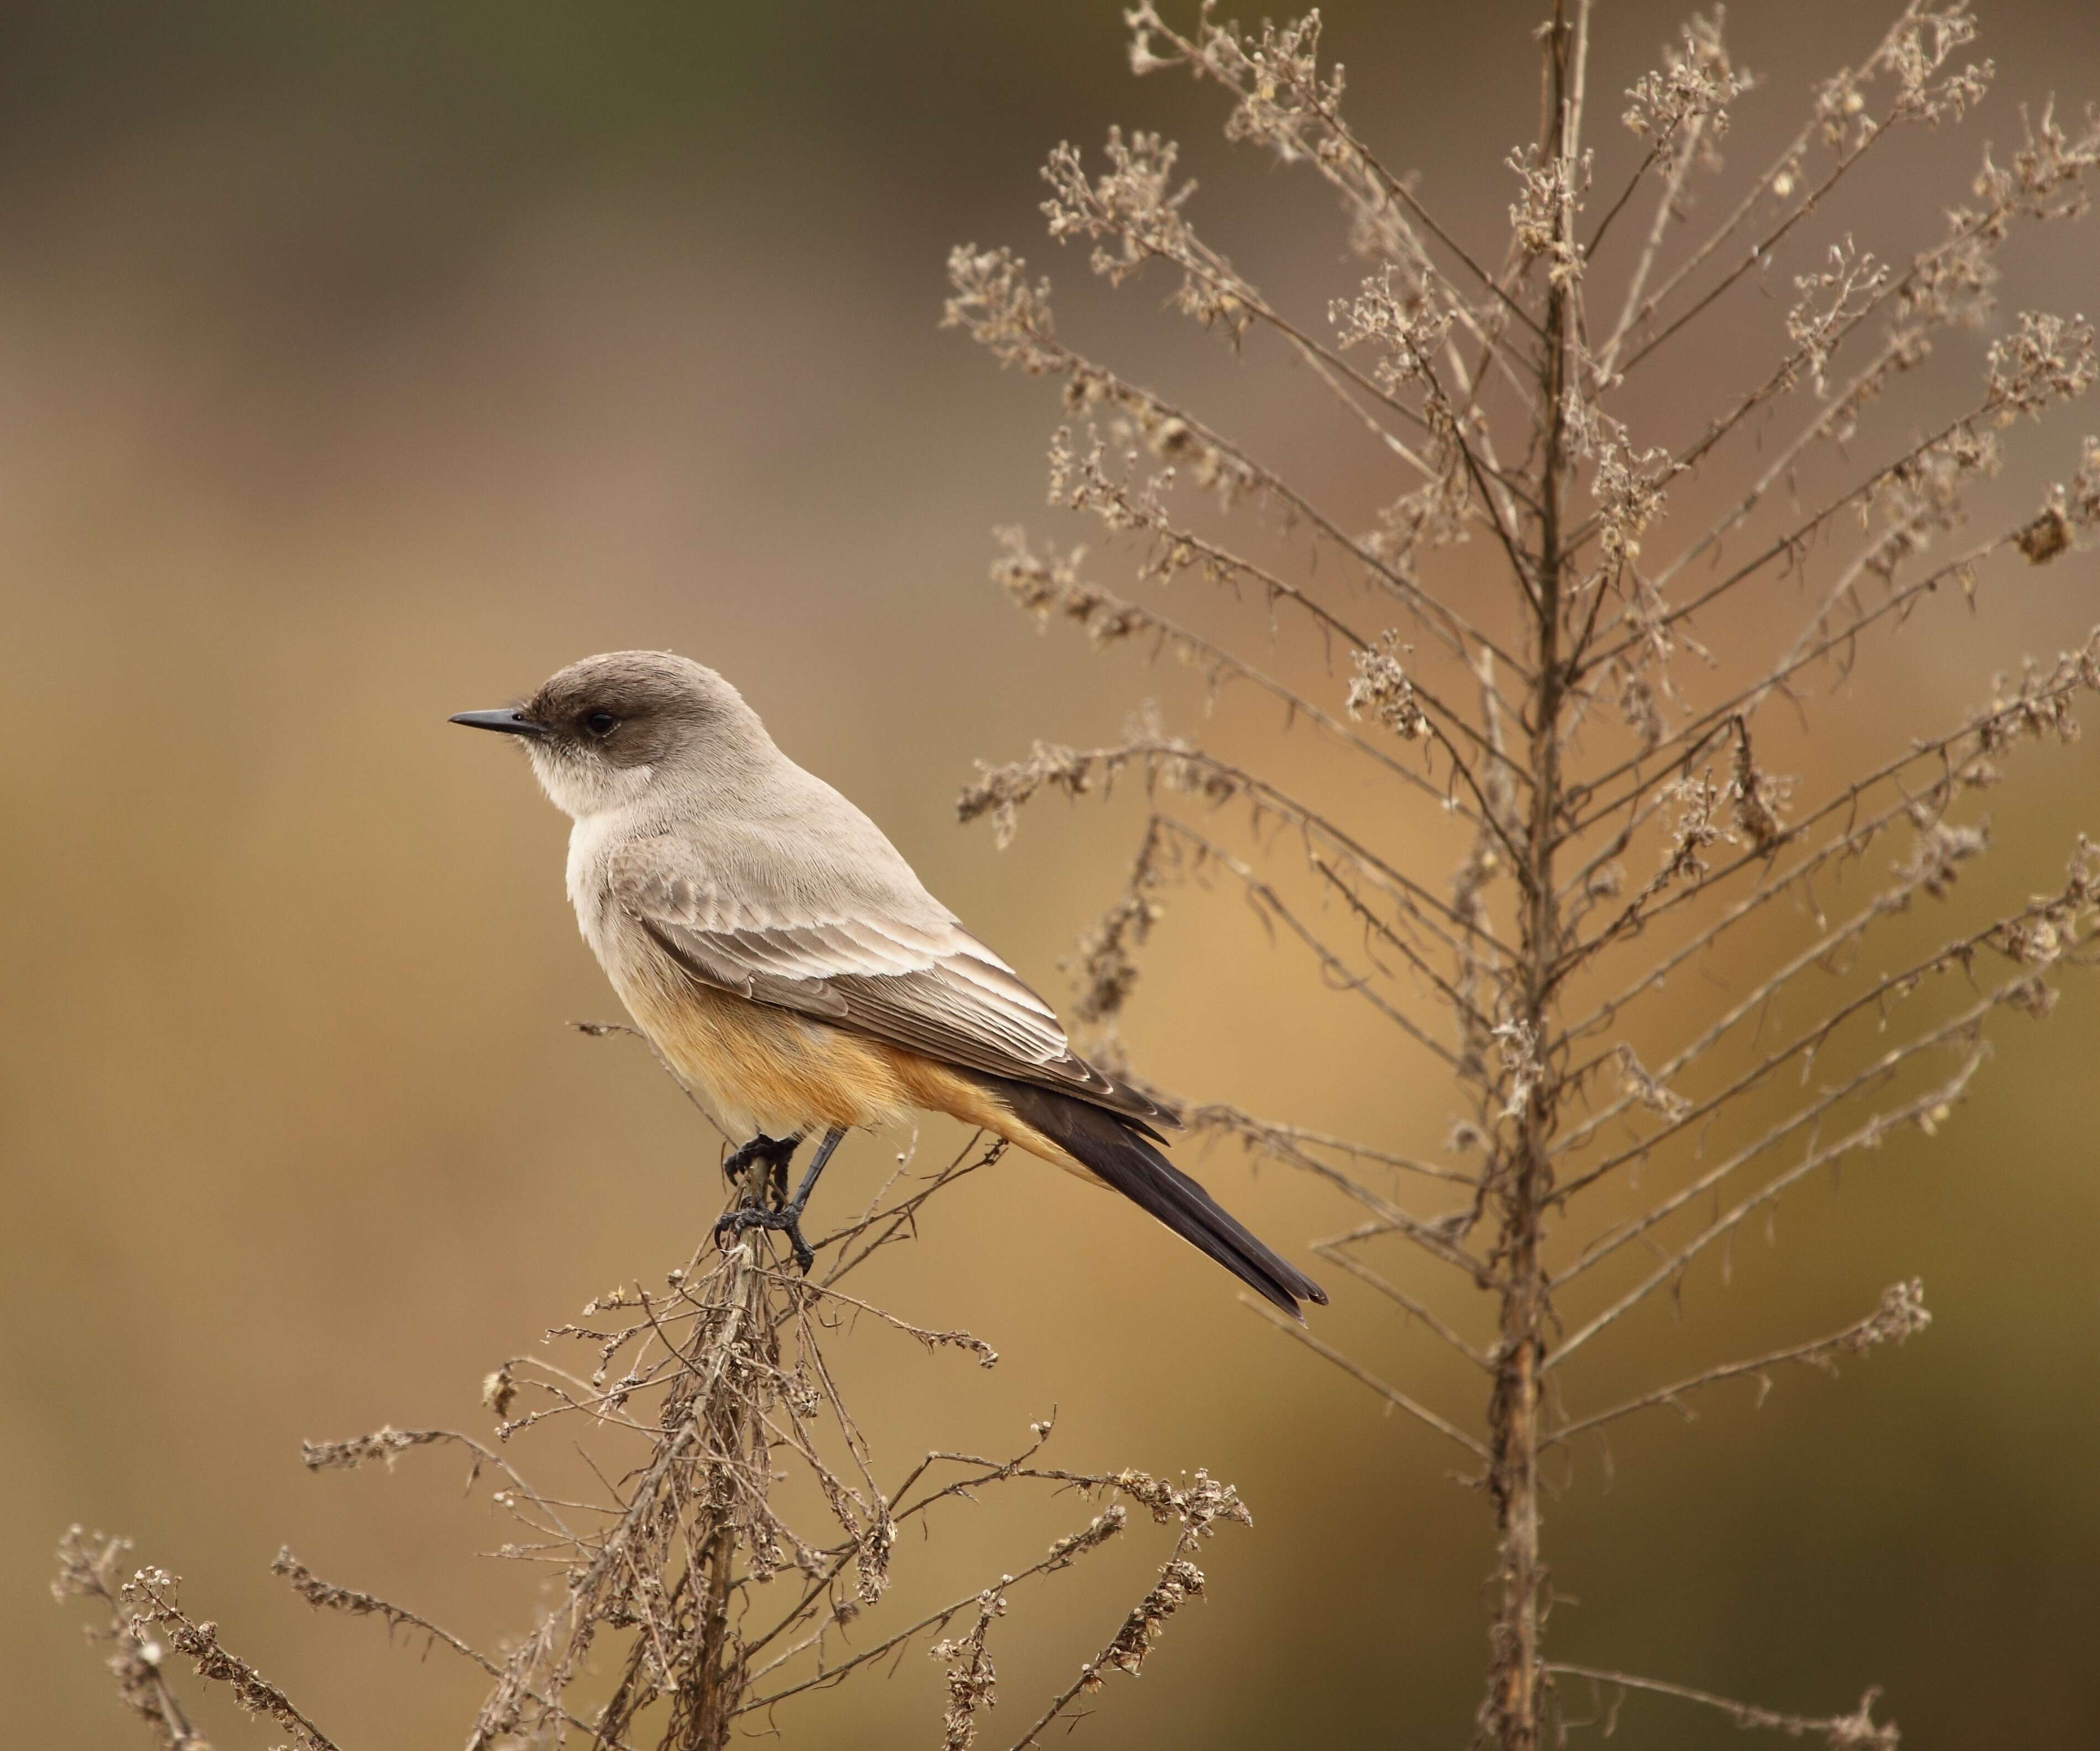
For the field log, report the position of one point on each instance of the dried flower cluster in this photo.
(679, 1570)
(147, 1623)
(1594, 727)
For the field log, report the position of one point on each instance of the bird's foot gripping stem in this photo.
(775, 1152)
(786, 1217)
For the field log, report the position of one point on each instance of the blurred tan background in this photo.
(360, 364)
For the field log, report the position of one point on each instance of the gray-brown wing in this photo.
(926, 984)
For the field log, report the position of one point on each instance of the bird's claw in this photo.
(775, 1152)
(788, 1221)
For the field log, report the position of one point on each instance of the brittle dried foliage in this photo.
(1514, 644)
(730, 1550)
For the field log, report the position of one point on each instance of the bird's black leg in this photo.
(787, 1218)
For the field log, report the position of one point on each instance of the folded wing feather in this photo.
(925, 983)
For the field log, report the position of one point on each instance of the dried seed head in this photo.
(499, 1389)
(1682, 108)
(1381, 688)
(994, 303)
(2045, 359)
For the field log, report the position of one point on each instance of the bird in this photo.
(787, 963)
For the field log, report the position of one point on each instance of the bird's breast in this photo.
(592, 841)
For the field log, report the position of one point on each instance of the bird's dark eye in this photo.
(600, 724)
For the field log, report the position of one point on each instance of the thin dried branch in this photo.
(1063, 1553)
(1284, 105)
(1363, 1377)
(1877, 998)
(1960, 762)
(994, 303)
(1336, 972)
(1925, 1113)
(1856, 1732)
(1179, 1580)
(1412, 1308)
(1707, 726)
(90, 1566)
(1050, 586)
(1682, 112)
(147, 1622)
(1287, 1143)
(1900, 1315)
(325, 1595)
(1915, 46)
(1175, 767)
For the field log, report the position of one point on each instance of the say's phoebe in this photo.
(790, 966)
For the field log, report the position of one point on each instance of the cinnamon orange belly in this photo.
(762, 1070)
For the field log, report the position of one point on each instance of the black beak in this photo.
(510, 720)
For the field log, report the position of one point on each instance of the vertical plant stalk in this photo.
(1524, 1183)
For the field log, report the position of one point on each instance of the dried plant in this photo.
(1572, 698)
(725, 1546)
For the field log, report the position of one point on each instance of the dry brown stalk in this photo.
(1606, 771)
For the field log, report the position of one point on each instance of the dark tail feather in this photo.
(1114, 1149)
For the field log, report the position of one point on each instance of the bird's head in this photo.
(605, 732)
